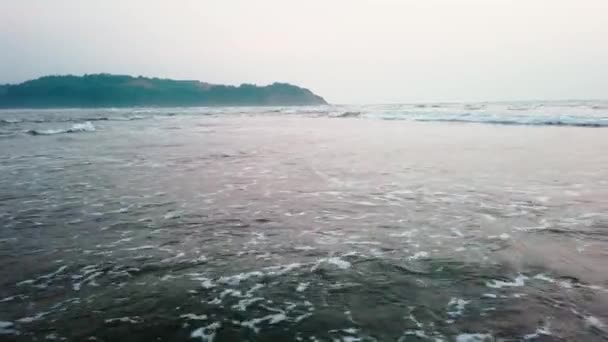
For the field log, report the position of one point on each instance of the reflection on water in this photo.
(273, 228)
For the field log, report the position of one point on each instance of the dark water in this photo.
(257, 225)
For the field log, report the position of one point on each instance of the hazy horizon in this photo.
(347, 52)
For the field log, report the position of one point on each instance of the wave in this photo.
(599, 107)
(103, 118)
(6, 122)
(524, 121)
(348, 115)
(9, 121)
(474, 106)
(56, 120)
(18, 121)
(6, 135)
(577, 114)
(427, 105)
(76, 128)
(133, 117)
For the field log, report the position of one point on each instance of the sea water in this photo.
(440, 222)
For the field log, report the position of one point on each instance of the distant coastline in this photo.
(107, 90)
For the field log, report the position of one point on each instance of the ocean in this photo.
(415, 222)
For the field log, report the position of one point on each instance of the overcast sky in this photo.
(349, 51)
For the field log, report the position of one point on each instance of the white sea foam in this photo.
(230, 292)
(419, 333)
(457, 232)
(237, 278)
(456, 307)
(474, 338)
(594, 322)
(336, 261)
(25, 282)
(282, 269)
(351, 242)
(407, 233)
(540, 331)
(215, 301)
(595, 287)
(271, 319)
(7, 328)
(11, 298)
(488, 217)
(53, 274)
(45, 279)
(115, 243)
(31, 319)
(255, 287)
(562, 283)
(90, 280)
(169, 277)
(419, 255)
(194, 317)
(139, 248)
(302, 287)
(206, 334)
(76, 128)
(503, 236)
(207, 283)
(177, 256)
(520, 280)
(171, 215)
(244, 303)
(304, 248)
(413, 319)
(201, 258)
(544, 278)
(302, 317)
(543, 199)
(532, 228)
(126, 319)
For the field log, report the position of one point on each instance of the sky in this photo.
(349, 51)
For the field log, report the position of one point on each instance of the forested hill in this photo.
(106, 90)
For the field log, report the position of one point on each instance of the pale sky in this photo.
(355, 51)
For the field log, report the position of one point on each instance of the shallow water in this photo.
(254, 224)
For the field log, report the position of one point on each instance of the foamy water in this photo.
(280, 224)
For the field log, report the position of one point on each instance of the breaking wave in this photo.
(528, 114)
(8, 122)
(349, 115)
(548, 113)
(76, 128)
(4, 122)
(526, 121)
